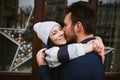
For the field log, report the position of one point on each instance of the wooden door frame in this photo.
(39, 10)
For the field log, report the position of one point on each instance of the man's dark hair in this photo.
(83, 12)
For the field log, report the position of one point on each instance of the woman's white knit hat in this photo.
(43, 29)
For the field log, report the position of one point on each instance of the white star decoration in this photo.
(24, 49)
(23, 52)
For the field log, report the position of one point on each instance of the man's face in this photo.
(69, 29)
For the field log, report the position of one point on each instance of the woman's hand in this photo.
(40, 57)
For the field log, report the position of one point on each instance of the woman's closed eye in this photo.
(54, 32)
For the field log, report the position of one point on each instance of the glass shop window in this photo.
(108, 27)
(16, 21)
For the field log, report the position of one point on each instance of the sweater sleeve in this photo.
(70, 52)
(75, 50)
(57, 55)
(44, 72)
(51, 57)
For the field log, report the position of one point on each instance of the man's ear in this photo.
(78, 27)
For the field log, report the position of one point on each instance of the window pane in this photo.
(16, 21)
(108, 27)
(55, 9)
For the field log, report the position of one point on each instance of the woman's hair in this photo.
(50, 43)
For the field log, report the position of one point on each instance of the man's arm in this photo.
(57, 55)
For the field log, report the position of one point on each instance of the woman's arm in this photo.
(57, 55)
(44, 72)
(43, 68)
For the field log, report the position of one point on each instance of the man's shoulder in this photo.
(88, 58)
(87, 39)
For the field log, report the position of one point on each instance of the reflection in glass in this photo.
(55, 9)
(16, 21)
(108, 27)
(69, 2)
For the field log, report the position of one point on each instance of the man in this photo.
(79, 27)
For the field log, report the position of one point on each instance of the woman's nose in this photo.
(61, 32)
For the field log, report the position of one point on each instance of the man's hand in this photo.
(98, 46)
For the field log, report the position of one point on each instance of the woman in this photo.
(51, 34)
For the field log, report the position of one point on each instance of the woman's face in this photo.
(57, 35)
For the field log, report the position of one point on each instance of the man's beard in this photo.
(71, 41)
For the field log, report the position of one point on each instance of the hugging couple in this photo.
(73, 51)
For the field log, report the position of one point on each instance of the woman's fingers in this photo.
(40, 57)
